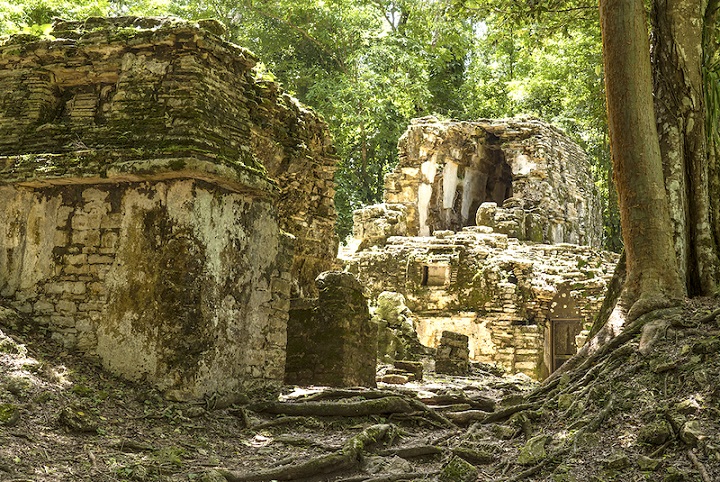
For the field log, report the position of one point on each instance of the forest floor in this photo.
(647, 410)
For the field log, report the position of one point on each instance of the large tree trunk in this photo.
(677, 60)
(652, 280)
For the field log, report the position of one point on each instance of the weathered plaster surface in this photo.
(149, 178)
(180, 283)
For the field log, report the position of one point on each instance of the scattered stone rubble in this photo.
(397, 338)
(149, 177)
(512, 284)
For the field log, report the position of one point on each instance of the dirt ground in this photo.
(647, 410)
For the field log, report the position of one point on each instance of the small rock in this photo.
(194, 411)
(212, 476)
(395, 379)
(9, 414)
(416, 368)
(77, 420)
(691, 433)
(458, 470)
(655, 433)
(674, 475)
(688, 406)
(533, 451)
(617, 462)
(386, 465)
(504, 432)
(647, 464)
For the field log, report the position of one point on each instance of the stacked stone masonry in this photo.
(452, 355)
(111, 93)
(148, 182)
(522, 177)
(489, 229)
(332, 340)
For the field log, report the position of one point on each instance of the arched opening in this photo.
(489, 181)
(460, 186)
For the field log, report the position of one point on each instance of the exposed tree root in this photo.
(347, 458)
(380, 406)
(708, 318)
(596, 421)
(506, 413)
(412, 451)
(474, 457)
(430, 413)
(479, 403)
(538, 467)
(419, 417)
(281, 421)
(699, 466)
(337, 394)
(528, 472)
(581, 366)
(661, 450)
(466, 417)
(392, 477)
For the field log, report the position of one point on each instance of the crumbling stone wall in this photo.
(130, 89)
(139, 274)
(522, 177)
(145, 170)
(495, 289)
(452, 355)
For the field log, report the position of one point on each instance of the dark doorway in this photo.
(562, 334)
(489, 181)
(564, 323)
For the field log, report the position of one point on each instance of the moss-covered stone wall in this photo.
(180, 282)
(160, 200)
(105, 96)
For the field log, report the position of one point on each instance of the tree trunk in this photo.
(652, 280)
(677, 59)
(711, 77)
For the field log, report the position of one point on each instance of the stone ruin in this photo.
(332, 340)
(166, 208)
(489, 229)
(160, 202)
(522, 177)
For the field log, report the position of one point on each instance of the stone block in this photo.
(332, 340)
(449, 359)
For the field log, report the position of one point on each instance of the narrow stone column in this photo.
(331, 340)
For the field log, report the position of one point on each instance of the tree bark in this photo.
(653, 279)
(677, 60)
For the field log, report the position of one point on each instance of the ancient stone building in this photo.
(149, 178)
(534, 180)
(489, 230)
